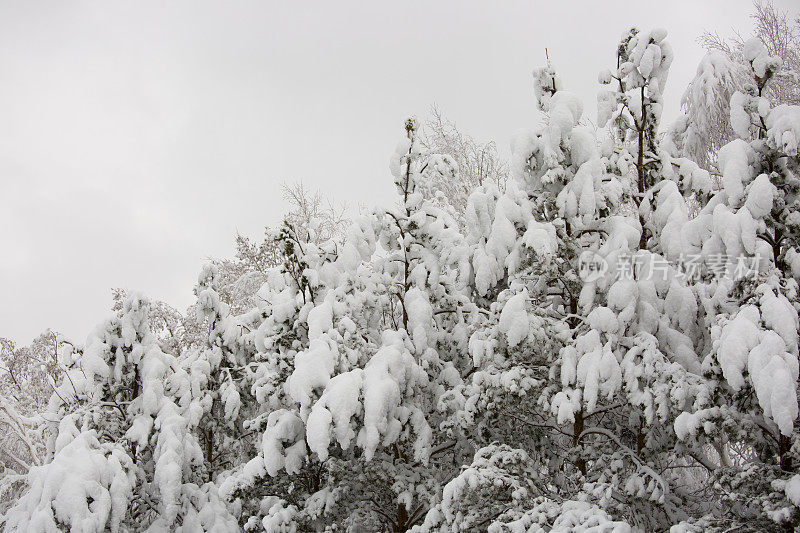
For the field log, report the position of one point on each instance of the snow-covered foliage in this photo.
(474, 163)
(27, 376)
(609, 342)
(705, 124)
(122, 451)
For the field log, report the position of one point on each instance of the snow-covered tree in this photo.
(362, 342)
(608, 342)
(318, 219)
(474, 162)
(750, 357)
(28, 375)
(779, 32)
(265, 496)
(121, 448)
(572, 354)
(220, 376)
(704, 125)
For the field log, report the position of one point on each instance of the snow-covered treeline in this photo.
(608, 343)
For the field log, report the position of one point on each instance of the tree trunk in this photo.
(640, 440)
(577, 429)
(641, 174)
(402, 519)
(784, 446)
(210, 452)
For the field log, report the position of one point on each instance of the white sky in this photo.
(137, 138)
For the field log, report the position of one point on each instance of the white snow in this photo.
(514, 319)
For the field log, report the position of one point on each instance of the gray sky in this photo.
(136, 138)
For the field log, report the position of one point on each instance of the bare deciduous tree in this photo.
(704, 126)
(780, 33)
(27, 378)
(477, 163)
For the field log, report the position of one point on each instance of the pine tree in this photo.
(749, 410)
(122, 451)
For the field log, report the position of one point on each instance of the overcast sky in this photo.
(137, 138)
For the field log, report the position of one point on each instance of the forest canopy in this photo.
(600, 334)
